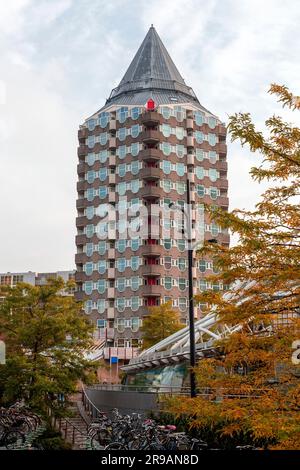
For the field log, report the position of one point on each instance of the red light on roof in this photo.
(150, 104)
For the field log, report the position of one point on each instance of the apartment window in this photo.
(168, 283)
(91, 141)
(101, 323)
(181, 264)
(102, 174)
(89, 212)
(121, 264)
(180, 169)
(102, 192)
(101, 286)
(103, 155)
(101, 247)
(212, 139)
(88, 267)
(120, 304)
(88, 307)
(199, 137)
(198, 118)
(101, 266)
(122, 188)
(168, 262)
(212, 157)
(135, 148)
(103, 138)
(199, 172)
(122, 151)
(182, 303)
(135, 130)
(88, 287)
(121, 284)
(135, 283)
(103, 119)
(180, 150)
(200, 190)
(89, 249)
(135, 186)
(182, 284)
(202, 284)
(166, 130)
(121, 245)
(90, 194)
(91, 124)
(122, 114)
(101, 305)
(166, 167)
(179, 133)
(135, 303)
(213, 193)
(122, 133)
(89, 231)
(202, 266)
(166, 112)
(213, 174)
(167, 243)
(199, 155)
(135, 244)
(135, 112)
(212, 122)
(135, 324)
(181, 245)
(135, 167)
(90, 159)
(135, 263)
(166, 148)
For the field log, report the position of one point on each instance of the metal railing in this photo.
(58, 423)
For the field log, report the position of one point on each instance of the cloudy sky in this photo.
(59, 60)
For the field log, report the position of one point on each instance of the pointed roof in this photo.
(152, 61)
(152, 74)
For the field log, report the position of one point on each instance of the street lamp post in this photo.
(191, 294)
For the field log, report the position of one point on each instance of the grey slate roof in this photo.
(152, 74)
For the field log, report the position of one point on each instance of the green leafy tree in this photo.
(45, 335)
(256, 361)
(162, 322)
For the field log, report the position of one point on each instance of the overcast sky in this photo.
(59, 60)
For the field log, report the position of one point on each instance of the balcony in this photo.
(121, 353)
(81, 169)
(111, 273)
(82, 150)
(221, 130)
(110, 313)
(81, 203)
(150, 118)
(222, 165)
(81, 186)
(152, 270)
(190, 123)
(111, 253)
(150, 136)
(112, 143)
(111, 293)
(222, 183)
(191, 177)
(112, 160)
(82, 134)
(150, 155)
(150, 173)
(80, 276)
(190, 141)
(152, 250)
(112, 197)
(151, 192)
(112, 125)
(80, 258)
(152, 291)
(80, 240)
(112, 178)
(80, 221)
(222, 148)
(191, 159)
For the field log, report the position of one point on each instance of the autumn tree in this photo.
(45, 335)
(253, 384)
(161, 322)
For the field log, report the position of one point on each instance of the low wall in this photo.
(125, 401)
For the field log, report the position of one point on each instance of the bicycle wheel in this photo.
(12, 437)
(116, 446)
